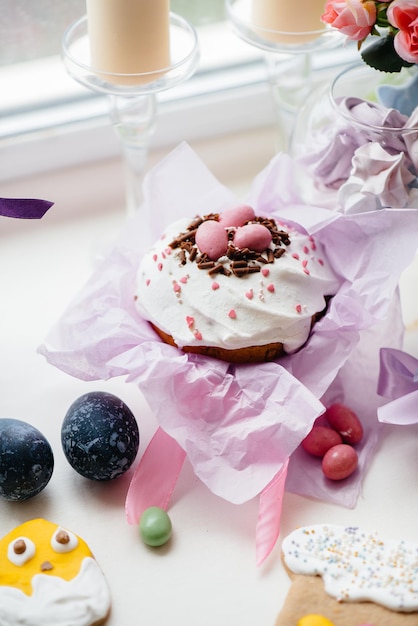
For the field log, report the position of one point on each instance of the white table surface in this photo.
(207, 574)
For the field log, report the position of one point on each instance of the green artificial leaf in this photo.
(381, 55)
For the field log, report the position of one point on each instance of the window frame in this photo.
(48, 121)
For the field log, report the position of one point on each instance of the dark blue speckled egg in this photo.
(100, 436)
(26, 460)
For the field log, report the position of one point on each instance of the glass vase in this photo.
(356, 141)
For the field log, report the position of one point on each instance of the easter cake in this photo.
(346, 576)
(49, 576)
(234, 286)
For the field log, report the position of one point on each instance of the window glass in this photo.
(30, 29)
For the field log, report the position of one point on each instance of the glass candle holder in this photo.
(288, 57)
(132, 96)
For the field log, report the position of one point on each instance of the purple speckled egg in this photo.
(26, 460)
(100, 436)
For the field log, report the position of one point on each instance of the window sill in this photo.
(97, 188)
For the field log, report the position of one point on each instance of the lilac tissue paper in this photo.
(253, 417)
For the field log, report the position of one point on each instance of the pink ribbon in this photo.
(269, 515)
(156, 476)
(398, 381)
(24, 208)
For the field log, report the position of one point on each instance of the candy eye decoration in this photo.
(63, 541)
(20, 551)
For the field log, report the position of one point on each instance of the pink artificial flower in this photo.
(354, 18)
(403, 14)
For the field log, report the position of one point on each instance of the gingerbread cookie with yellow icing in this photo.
(349, 577)
(49, 577)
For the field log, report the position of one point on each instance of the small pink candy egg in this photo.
(339, 462)
(320, 440)
(345, 422)
(253, 236)
(236, 216)
(212, 238)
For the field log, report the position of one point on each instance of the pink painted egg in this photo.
(236, 216)
(253, 236)
(212, 239)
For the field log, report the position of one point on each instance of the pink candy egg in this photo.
(320, 440)
(236, 216)
(212, 239)
(345, 422)
(339, 462)
(253, 236)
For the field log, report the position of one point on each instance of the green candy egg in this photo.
(155, 526)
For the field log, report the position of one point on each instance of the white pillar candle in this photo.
(129, 37)
(285, 16)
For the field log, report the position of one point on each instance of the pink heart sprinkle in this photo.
(265, 271)
(249, 294)
(232, 314)
(270, 288)
(215, 285)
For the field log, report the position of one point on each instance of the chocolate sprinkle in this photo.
(46, 566)
(19, 546)
(62, 537)
(242, 261)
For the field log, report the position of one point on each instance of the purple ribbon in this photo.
(398, 381)
(24, 208)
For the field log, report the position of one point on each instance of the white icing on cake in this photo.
(356, 565)
(273, 305)
(82, 601)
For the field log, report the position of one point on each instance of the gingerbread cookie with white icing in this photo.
(351, 577)
(49, 577)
